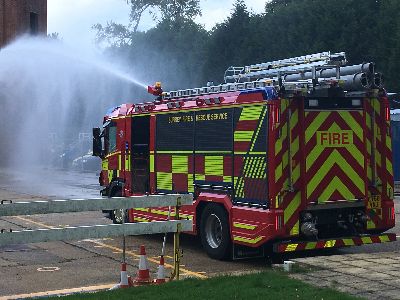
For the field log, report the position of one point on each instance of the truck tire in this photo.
(119, 216)
(214, 232)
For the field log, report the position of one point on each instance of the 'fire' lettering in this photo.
(335, 139)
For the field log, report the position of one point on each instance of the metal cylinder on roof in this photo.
(367, 68)
(353, 82)
(378, 80)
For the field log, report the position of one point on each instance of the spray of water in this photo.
(49, 94)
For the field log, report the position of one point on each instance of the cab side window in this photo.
(111, 138)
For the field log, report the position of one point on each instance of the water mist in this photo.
(49, 93)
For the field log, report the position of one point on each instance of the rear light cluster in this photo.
(391, 213)
(278, 222)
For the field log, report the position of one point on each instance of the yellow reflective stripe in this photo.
(151, 162)
(295, 146)
(127, 162)
(292, 207)
(278, 171)
(104, 165)
(142, 209)
(278, 145)
(247, 240)
(164, 181)
(348, 242)
(243, 136)
(179, 164)
(388, 142)
(140, 219)
(352, 123)
(296, 173)
(334, 158)
(172, 214)
(259, 128)
(110, 175)
(378, 158)
(244, 226)
(310, 245)
(296, 229)
(336, 185)
(330, 243)
(315, 125)
(191, 152)
(251, 113)
(370, 224)
(312, 156)
(190, 183)
(389, 166)
(291, 247)
(214, 165)
(366, 240)
(384, 238)
(200, 177)
(227, 179)
(376, 106)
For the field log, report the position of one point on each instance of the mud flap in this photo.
(244, 252)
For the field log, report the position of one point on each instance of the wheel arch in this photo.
(115, 185)
(206, 198)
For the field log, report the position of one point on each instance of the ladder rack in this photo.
(292, 75)
(294, 64)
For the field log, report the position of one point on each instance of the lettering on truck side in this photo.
(340, 138)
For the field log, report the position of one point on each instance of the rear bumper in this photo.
(284, 247)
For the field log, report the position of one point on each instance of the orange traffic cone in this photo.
(124, 283)
(124, 277)
(143, 275)
(161, 272)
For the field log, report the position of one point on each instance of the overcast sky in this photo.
(73, 19)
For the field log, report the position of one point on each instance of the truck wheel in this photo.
(214, 231)
(119, 216)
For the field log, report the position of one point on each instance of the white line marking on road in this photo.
(61, 292)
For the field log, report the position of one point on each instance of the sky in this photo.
(73, 19)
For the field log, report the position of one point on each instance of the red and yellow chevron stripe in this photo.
(287, 157)
(334, 147)
(379, 161)
(333, 243)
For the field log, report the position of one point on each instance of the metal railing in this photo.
(177, 225)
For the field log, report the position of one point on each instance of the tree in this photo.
(170, 10)
(228, 43)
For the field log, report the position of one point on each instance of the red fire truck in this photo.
(288, 155)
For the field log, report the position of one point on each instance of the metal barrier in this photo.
(10, 208)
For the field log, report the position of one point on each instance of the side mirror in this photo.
(97, 146)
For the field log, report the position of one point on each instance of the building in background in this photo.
(19, 17)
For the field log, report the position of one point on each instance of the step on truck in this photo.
(288, 155)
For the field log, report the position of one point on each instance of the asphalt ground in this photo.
(62, 267)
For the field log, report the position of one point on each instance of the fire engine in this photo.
(288, 155)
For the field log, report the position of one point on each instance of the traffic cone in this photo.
(124, 277)
(124, 283)
(161, 272)
(143, 275)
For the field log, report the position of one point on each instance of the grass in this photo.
(266, 285)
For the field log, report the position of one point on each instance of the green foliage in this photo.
(170, 10)
(367, 30)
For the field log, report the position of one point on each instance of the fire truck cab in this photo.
(288, 155)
